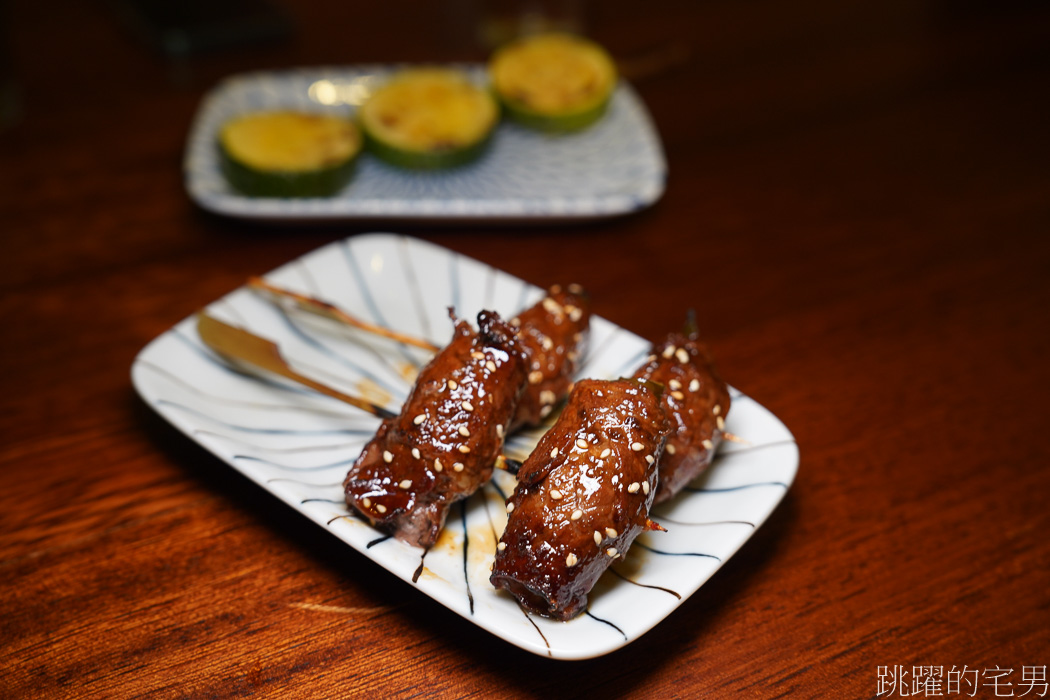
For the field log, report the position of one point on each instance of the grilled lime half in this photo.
(289, 154)
(428, 118)
(553, 82)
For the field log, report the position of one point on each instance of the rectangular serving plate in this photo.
(298, 445)
(612, 168)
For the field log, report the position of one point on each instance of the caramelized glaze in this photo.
(583, 496)
(442, 446)
(696, 401)
(553, 333)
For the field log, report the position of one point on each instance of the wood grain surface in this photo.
(858, 208)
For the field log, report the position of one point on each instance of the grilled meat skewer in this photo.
(696, 401)
(583, 496)
(553, 333)
(442, 446)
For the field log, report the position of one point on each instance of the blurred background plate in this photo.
(615, 167)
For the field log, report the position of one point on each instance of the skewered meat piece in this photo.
(696, 401)
(583, 496)
(443, 445)
(553, 334)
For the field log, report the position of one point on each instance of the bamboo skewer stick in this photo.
(330, 311)
(241, 345)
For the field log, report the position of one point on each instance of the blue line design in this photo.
(247, 429)
(413, 281)
(537, 628)
(676, 594)
(692, 489)
(355, 274)
(494, 485)
(676, 554)
(288, 450)
(287, 467)
(366, 294)
(214, 359)
(466, 544)
(308, 277)
(419, 569)
(310, 282)
(328, 352)
(664, 519)
(235, 402)
(748, 449)
(234, 311)
(304, 483)
(595, 617)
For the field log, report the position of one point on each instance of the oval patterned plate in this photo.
(298, 445)
(615, 167)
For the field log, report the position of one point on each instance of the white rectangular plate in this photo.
(299, 445)
(614, 167)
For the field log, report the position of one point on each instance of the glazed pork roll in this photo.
(443, 445)
(553, 334)
(696, 401)
(583, 496)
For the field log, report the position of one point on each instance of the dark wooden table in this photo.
(858, 207)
